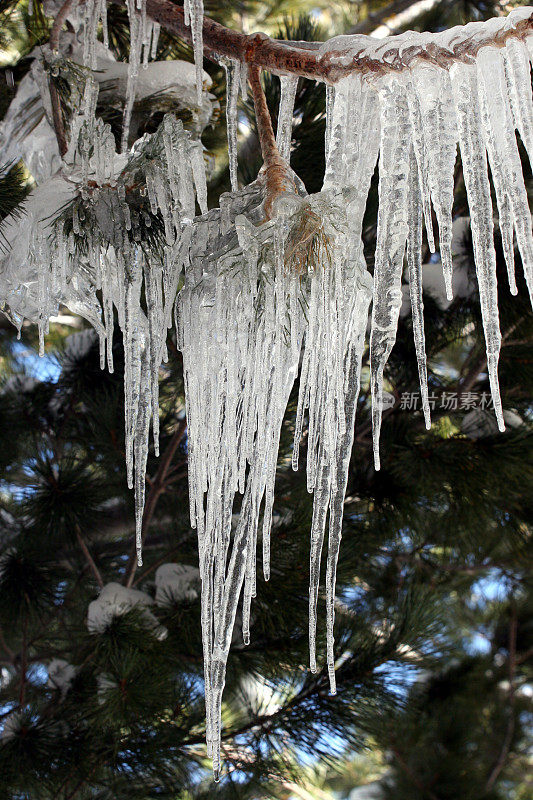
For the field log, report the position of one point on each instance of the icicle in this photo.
(236, 397)
(198, 173)
(244, 81)
(90, 33)
(414, 264)
(103, 17)
(519, 90)
(352, 372)
(146, 43)
(156, 30)
(245, 315)
(440, 143)
(391, 240)
(505, 164)
(330, 100)
(186, 186)
(140, 443)
(465, 93)
(95, 13)
(289, 84)
(419, 146)
(156, 331)
(346, 97)
(132, 353)
(233, 72)
(194, 17)
(354, 144)
(137, 23)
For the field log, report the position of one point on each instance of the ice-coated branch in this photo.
(59, 21)
(57, 117)
(344, 55)
(277, 172)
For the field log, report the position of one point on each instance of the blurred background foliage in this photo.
(434, 630)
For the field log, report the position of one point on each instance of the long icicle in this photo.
(391, 240)
(233, 82)
(289, 84)
(414, 265)
(465, 93)
(505, 161)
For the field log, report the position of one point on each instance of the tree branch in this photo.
(59, 21)
(413, 777)
(508, 738)
(302, 58)
(57, 119)
(277, 171)
(163, 560)
(57, 116)
(88, 557)
(376, 18)
(319, 685)
(467, 381)
(5, 645)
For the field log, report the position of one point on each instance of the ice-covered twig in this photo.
(345, 55)
(277, 171)
(57, 116)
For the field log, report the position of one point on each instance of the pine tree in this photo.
(102, 692)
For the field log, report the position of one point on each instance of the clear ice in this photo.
(232, 68)
(289, 84)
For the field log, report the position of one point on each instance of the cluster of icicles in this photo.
(246, 332)
(144, 38)
(249, 321)
(121, 264)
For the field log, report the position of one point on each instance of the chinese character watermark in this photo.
(446, 401)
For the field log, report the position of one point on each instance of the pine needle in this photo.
(308, 243)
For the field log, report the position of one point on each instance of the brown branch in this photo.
(414, 778)
(508, 738)
(301, 58)
(470, 378)
(80, 783)
(318, 686)
(57, 118)
(276, 169)
(157, 488)
(57, 115)
(269, 149)
(266, 721)
(7, 648)
(88, 557)
(525, 656)
(59, 21)
(464, 384)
